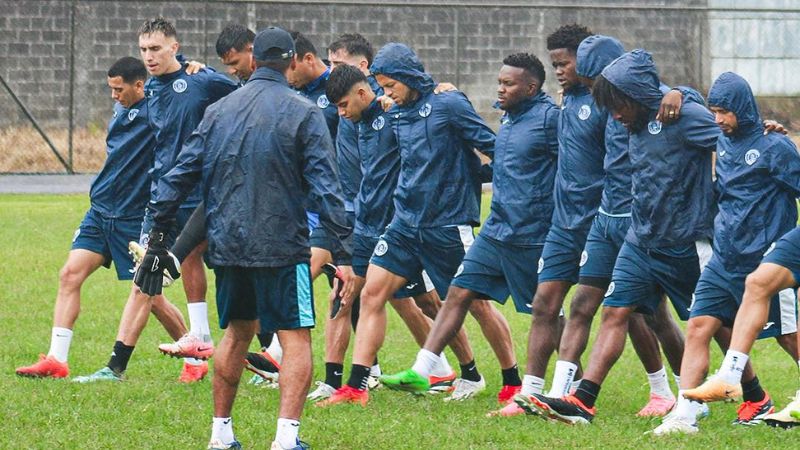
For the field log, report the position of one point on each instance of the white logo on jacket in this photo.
(610, 289)
(751, 156)
(381, 248)
(322, 101)
(132, 114)
(179, 85)
(584, 112)
(425, 111)
(378, 123)
(584, 258)
(654, 127)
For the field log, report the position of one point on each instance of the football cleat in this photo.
(46, 367)
(753, 413)
(346, 394)
(216, 444)
(407, 380)
(658, 406)
(263, 365)
(300, 446)
(323, 391)
(568, 409)
(511, 409)
(525, 403)
(258, 380)
(137, 254)
(713, 390)
(104, 374)
(373, 382)
(464, 389)
(193, 372)
(673, 424)
(507, 393)
(188, 346)
(788, 417)
(441, 384)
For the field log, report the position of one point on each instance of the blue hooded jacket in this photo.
(439, 183)
(525, 160)
(259, 153)
(673, 198)
(120, 191)
(176, 103)
(758, 180)
(315, 91)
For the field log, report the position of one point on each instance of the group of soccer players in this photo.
(364, 168)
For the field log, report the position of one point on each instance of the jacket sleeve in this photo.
(690, 95)
(319, 172)
(220, 86)
(784, 166)
(699, 130)
(471, 127)
(551, 130)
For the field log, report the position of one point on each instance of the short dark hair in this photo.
(527, 62)
(159, 24)
(354, 44)
(234, 37)
(302, 45)
(342, 79)
(278, 65)
(129, 68)
(568, 36)
(608, 96)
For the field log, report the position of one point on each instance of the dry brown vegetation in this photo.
(22, 149)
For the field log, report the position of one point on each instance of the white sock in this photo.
(562, 379)
(575, 384)
(659, 383)
(686, 408)
(60, 339)
(733, 366)
(198, 320)
(532, 385)
(677, 378)
(275, 349)
(375, 370)
(286, 434)
(426, 363)
(442, 368)
(222, 429)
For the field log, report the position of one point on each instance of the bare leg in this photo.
(80, 264)
(337, 330)
(194, 274)
(450, 319)
(431, 305)
(545, 330)
(380, 285)
(229, 363)
(609, 344)
(669, 335)
(170, 317)
(417, 322)
(645, 343)
(296, 371)
(582, 310)
(699, 332)
(496, 330)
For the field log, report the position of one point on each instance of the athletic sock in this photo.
(532, 385)
(358, 377)
(587, 393)
(733, 367)
(222, 429)
(198, 320)
(469, 372)
(286, 433)
(575, 383)
(562, 378)
(275, 350)
(442, 369)
(375, 370)
(752, 391)
(264, 339)
(427, 362)
(120, 357)
(511, 376)
(659, 383)
(677, 378)
(60, 340)
(685, 408)
(333, 374)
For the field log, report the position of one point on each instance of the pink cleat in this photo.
(658, 406)
(188, 346)
(510, 410)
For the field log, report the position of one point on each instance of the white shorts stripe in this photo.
(788, 302)
(467, 236)
(704, 252)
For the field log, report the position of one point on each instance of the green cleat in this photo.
(104, 374)
(407, 380)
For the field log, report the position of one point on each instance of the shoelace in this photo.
(749, 408)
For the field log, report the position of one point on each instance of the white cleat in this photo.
(322, 392)
(788, 417)
(464, 389)
(673, 424)
(373, 382)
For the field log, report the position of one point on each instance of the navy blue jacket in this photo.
(120, 191)
(349, 161)
(673, 198)
(525, 160)
(177, 102)
(259, 152)
(315, 91)
(758, 180)
(439, 182)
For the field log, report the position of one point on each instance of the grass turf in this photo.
(153, 410)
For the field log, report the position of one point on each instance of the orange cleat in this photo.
(192, 373)
(346, 394)
(713, 390)
(46, 367)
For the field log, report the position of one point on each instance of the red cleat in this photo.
(192, 373)
(507, 393)
(46, 367)
(346, 394)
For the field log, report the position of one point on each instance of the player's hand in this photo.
(193, 67)
(348, 290)
(444, 87)
(150, 273)
(386, 102)
(670, 109)
(773, 126)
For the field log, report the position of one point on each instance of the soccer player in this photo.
(671, 211)
(498, 263)
(234, 47)
(234, 154)
(750, 165)
(118, 196)
(176, 102)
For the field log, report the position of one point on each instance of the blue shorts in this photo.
(497, 270)
(602, 247)
(363, 246)
(281, 298)
(561, 256)
(181, 217)
(319, 236)
(438, 251)
(787, 254)
(108, 237)
(641, 277)
(719, 294)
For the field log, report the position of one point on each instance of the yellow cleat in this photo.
(714, 389)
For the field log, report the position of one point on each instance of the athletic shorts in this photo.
(786, 253)
(181, 217)
(108, 237)
(320, 238)
(406, 252)
(719, 294)
(363, 246)
(602, 247)
(561, 256)
(496, 270)
(280, 298)
(642, 275)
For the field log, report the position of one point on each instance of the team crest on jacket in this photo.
(425, 111)
(179, 85)
(378, 123)
(505, 119)
(322, 101)
(132, 114)
(540, 266)
(584, 258)
(381, 248)
(610, 289)
(584, 112)
(751, 156)
(654, 127)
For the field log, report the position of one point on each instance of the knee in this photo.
(759, 284)
(71, 277)
(372, 301)
(428, 304)
(615, 317)
(699, 329)
(580, 311)
(545, 308)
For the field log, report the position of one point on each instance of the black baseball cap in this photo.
(273, 44)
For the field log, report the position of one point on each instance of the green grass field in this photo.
(153, 410)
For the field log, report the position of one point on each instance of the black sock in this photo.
(469, 371)
(333, 374)
(752, 392)
(265, 339)
(587, 392)
(511, 376)
(119, 357)
(358, 377)
(375, 363)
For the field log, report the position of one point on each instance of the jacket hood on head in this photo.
(595, 53)
(732, 92)
(635, 74)
(399, 62)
